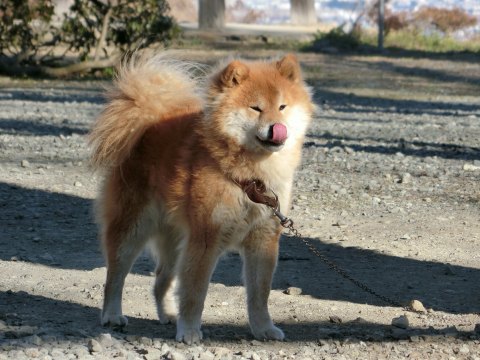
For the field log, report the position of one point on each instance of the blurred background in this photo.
(65, 37)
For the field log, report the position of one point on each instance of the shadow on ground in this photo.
(31, 313)
(57, 230)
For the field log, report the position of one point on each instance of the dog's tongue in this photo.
(279, 133)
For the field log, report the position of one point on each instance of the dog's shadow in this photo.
(32, 314)
(58, 230)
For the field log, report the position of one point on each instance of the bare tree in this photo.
(211, 14)
(302, 12)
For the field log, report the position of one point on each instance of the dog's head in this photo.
(263, 107)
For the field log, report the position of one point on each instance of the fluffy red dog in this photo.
(174, 150)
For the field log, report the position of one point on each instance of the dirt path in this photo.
(388, 189)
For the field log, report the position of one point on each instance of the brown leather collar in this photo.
(256, 190)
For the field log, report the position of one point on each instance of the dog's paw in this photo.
(165, 319)
(114, 320)
(188, 335)
(269, 333)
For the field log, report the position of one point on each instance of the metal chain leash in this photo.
(288, 224)
(256, 191)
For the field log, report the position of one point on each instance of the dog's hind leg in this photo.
(127, 225)
(260, 252)
(166, 250)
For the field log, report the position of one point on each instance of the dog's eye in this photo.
(282, 107)
(256, 108)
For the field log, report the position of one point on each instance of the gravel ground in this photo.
(388, 189)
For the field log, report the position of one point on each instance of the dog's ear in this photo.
(289, 68)
(234, 74)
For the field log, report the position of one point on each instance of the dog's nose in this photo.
(277, 133)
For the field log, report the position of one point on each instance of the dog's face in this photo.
(263, 107)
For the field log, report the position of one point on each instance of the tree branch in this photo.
(103, 34)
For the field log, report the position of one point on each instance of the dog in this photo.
(174, 149)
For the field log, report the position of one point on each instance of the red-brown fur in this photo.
(170, 159)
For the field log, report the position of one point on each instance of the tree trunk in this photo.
(302, 12)
(211, 14)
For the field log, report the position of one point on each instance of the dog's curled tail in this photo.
(147, 90)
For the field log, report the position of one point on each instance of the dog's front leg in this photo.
(197, 263)
(260, 254)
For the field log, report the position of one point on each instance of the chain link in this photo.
(256, 190)
(288, 224)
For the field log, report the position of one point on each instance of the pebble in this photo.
(464, 349)
(417, 306)
(77, 184)
(466, 167)
(406, 178)
(293, 291)
(25, 163)
(400, 322)
(335, 319)
(94, 346)
(105, 340)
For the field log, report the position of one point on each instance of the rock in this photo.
(293, 291)
(25, 164)
(77, 184)
(221, 352)
(335, 319)
(36, 340)
(406, 178)
(32, 352)
(206, 355)
(153, 354)
(145, 341)
(477, 328)
(449, 270)
(174, 355)
(401, 322)
(464, 349)
(417, 306)
(94, 346)
(466, 167)
(105, 340)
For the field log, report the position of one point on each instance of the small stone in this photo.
(293, 291)
(466, 167)
(25, 164)
(105, 340)
(340, 223)
(206, 355)
(405, 237)
(221, 352)
(417, 306)
(360, 320)
(77, 184)
(406, 178)
(36, 340)
(173, 355)
(477, 328)
(449, 270)
(32, 352)
(94, 346)
(164, 349)
(464, 349)
(145, 341)
(153, 354)
(415, 338)
(400, 322)
(335, 319)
